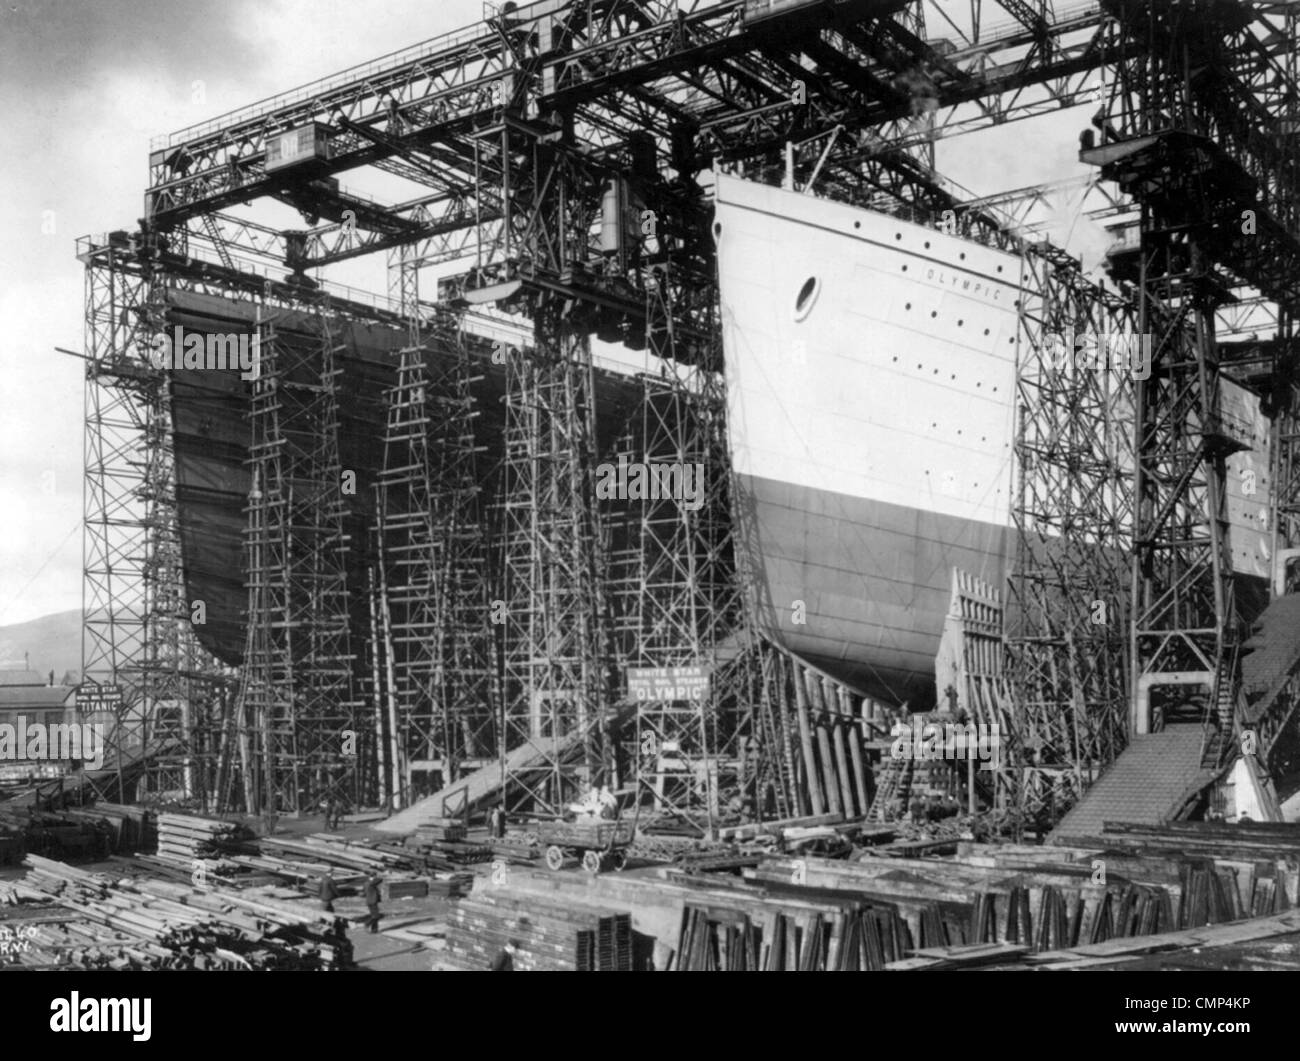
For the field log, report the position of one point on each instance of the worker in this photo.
(608, 804)
(331, 813)
(329, 891)
(504, 962)
(372, 902)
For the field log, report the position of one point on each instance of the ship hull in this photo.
(871, 379)
(860, 587)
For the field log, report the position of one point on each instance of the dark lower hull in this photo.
(874, 579)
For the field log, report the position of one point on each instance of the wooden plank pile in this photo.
(184, 839)
(1247, 869)
(130, 828)
(142, 923)
(768, 935)
(450, 885)
(436, 830)
(325, 849)
(1044, 907)
(83, 837)
(555, 935)
(517, 847)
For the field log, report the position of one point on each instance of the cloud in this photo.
(89, 83)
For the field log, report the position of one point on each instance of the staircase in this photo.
(893, 786)
(1220, 723)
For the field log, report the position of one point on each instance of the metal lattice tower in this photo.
(433, 604)
(1192, 132)
(136, 621)
(297, 706)
(556, 679)
(1066, 716)
(682, 596)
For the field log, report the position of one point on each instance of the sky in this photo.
(87, 84)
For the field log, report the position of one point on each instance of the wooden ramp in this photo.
(1146, 785)
(477, 791)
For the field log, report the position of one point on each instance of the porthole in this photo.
(717, 230)
(806, 298)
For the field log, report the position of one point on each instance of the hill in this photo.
(52, 642)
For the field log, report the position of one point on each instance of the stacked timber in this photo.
(465, 853)
(54, 833)
(450, 885)
(854, 939)
(154, 924)
(1230, 870)
(556, 935)
(325, 849)
(1043, 907)
(184, 839)
(436, 830)
(517, 847)
(130, 829)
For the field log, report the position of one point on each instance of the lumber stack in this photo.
(184, 839)
(436, 830)
(450, 885)
(55, 833)
(831, 936)
(550, 935)
(1043, 907)
(516, 847)
(142, 923)
(130, 829)
(325, 849)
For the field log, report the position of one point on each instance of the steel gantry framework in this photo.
(1198, 128)
(558, 147)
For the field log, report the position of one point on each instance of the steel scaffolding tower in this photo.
(1065, 718)
(557, 681)
(433, 605)
(1195, 131)
(136, 632)
(681, 602)
(300, 723)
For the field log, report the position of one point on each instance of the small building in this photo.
(36, 699)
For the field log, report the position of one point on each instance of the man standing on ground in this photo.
(329, 891)
(372, 902)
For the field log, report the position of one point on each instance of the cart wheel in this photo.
(619, 858)
(554, 857)
(591, 861)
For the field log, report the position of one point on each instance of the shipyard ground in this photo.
(907, 897)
